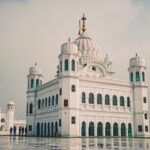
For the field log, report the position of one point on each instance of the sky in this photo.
(33, 31)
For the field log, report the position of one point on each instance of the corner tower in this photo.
(35, 79)
(138, 78)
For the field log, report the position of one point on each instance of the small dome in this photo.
(69, 47)
(11, 103)
(36, 69)
(137, 61)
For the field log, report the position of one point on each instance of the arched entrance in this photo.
(45, 129)
(41, 129)
(123, 129)
(56, 128)
(107, 129)
(83, 129)
(115, 129)
(129, 130)
(91, 129)
(99, 129)
(48, 129)
(52, 129)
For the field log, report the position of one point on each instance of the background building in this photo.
(8, 121)
(84, 99)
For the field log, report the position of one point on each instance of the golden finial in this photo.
(83, 25)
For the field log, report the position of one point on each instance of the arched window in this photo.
(46, 102)
(60, 66)
(48, 125)
(27, 108)
(32, 83)
(37, 82)
(91, 98)
(129, 130)
(107, 101)
(2, 120)
(121, 101)
(128, 102)
(49, 101)
(56, 127)
(42, 103)
(115, 129)
(137, 76)
(52, 129)
(83, 97)
(38, 129)
(66, 65)
(91, 128)
(73, 65)
(131, 77)
(99, 129)
(99, 99)
(56, 99)
(114, 100)
(39, 104)
(83, 129)
(123, 129)
(31, 108)
(41, 129)
(45, 129)
(53, 100)
(107, 129)
(143, 76)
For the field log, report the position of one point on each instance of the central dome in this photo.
(84, 42)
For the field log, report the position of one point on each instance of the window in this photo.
(30, 128)
(73, 65)
(114, 100)
(42, 103)
(2, 120)
(121, 101)
(131, 77)
(60, 91)
(32, 83)
(73, 88)
(49, 101)
(83, 97)
(30, 108)
(37, 83)
(143, 76)
(99, 99)
(91, 98)
(53, 100)
(56, 99)
(73, 120)
(107, 101)
(137, 76)
(39, 104)
(145, 115)
(60, 66)
(128, 102)
(45, 102)
(65, 103)
(94, 68)
(66, 65)
(59, 122)
(27, 108)
(144, 99)
(140, 128)
(146, 128)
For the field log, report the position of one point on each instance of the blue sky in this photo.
(33, 31)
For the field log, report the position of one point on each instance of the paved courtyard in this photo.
(29, 143)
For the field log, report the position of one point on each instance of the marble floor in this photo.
(33, 143)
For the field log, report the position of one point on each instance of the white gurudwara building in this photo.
(8, 121)
(84, 99)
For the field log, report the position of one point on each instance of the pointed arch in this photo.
(83, 97)
(91, 98)
(107, 99)
(114, 100)
(99, 99)
(56, 127)
(123, 129)
(32, 83)
(45, 129)
(121, 101)
(129, 130)
(52, 129)
(38, 129)
(66, 65)
(91, 128)
(73, 65)
(41, 129)
(115, 129)
(137, 76)
(107, 129)
(37, 83)
(39, 104)
(99, 129)
(83, 129)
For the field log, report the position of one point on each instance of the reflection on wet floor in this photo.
(33, 143)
